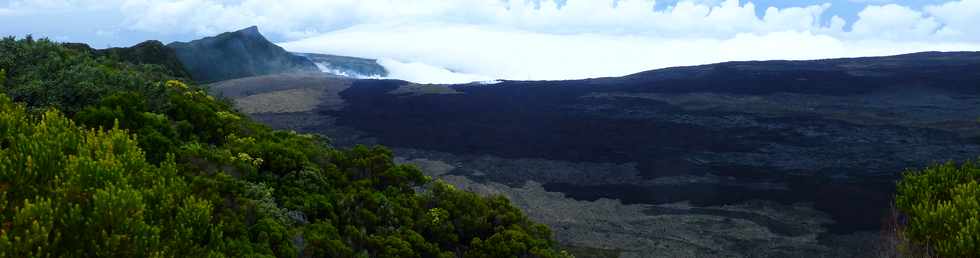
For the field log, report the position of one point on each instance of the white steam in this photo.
(425, 73)
(327, 68)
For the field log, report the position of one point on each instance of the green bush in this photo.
(141, 165)
(60, 180)
(942, 205)
(45, 74)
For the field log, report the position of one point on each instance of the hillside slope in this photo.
(148, 52)
(102, 158)
(773, 158)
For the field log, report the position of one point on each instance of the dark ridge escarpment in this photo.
(237, 54)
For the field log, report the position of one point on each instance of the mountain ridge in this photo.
(237, 54)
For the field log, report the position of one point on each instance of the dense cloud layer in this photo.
(454, 41)
(490, 52)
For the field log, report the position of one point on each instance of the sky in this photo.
(454, 41)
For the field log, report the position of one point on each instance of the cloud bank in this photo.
(581, 39)
(493, 53)
(441, 41)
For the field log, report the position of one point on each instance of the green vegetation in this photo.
(45, 75)
(104, 158)
(147, 52)
(942, 205)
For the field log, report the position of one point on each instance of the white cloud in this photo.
(894, 22)
(295, 19)
(794, 18)
(440, 40)
(301, 18)
(961, 19)
(424, 73)
(36, 5)
(596, 39)
(493, 53)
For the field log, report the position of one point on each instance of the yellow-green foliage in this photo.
(140, 165)
(942, 204)
(70, 191)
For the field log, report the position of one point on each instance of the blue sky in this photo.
(461, 40)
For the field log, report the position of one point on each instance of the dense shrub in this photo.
(942, 206)
(60, 180)
(142, 165)
(44, 74)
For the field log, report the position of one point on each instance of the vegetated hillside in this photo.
(147, 52)
(347, 66)
(105, 158)
(237, 54)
